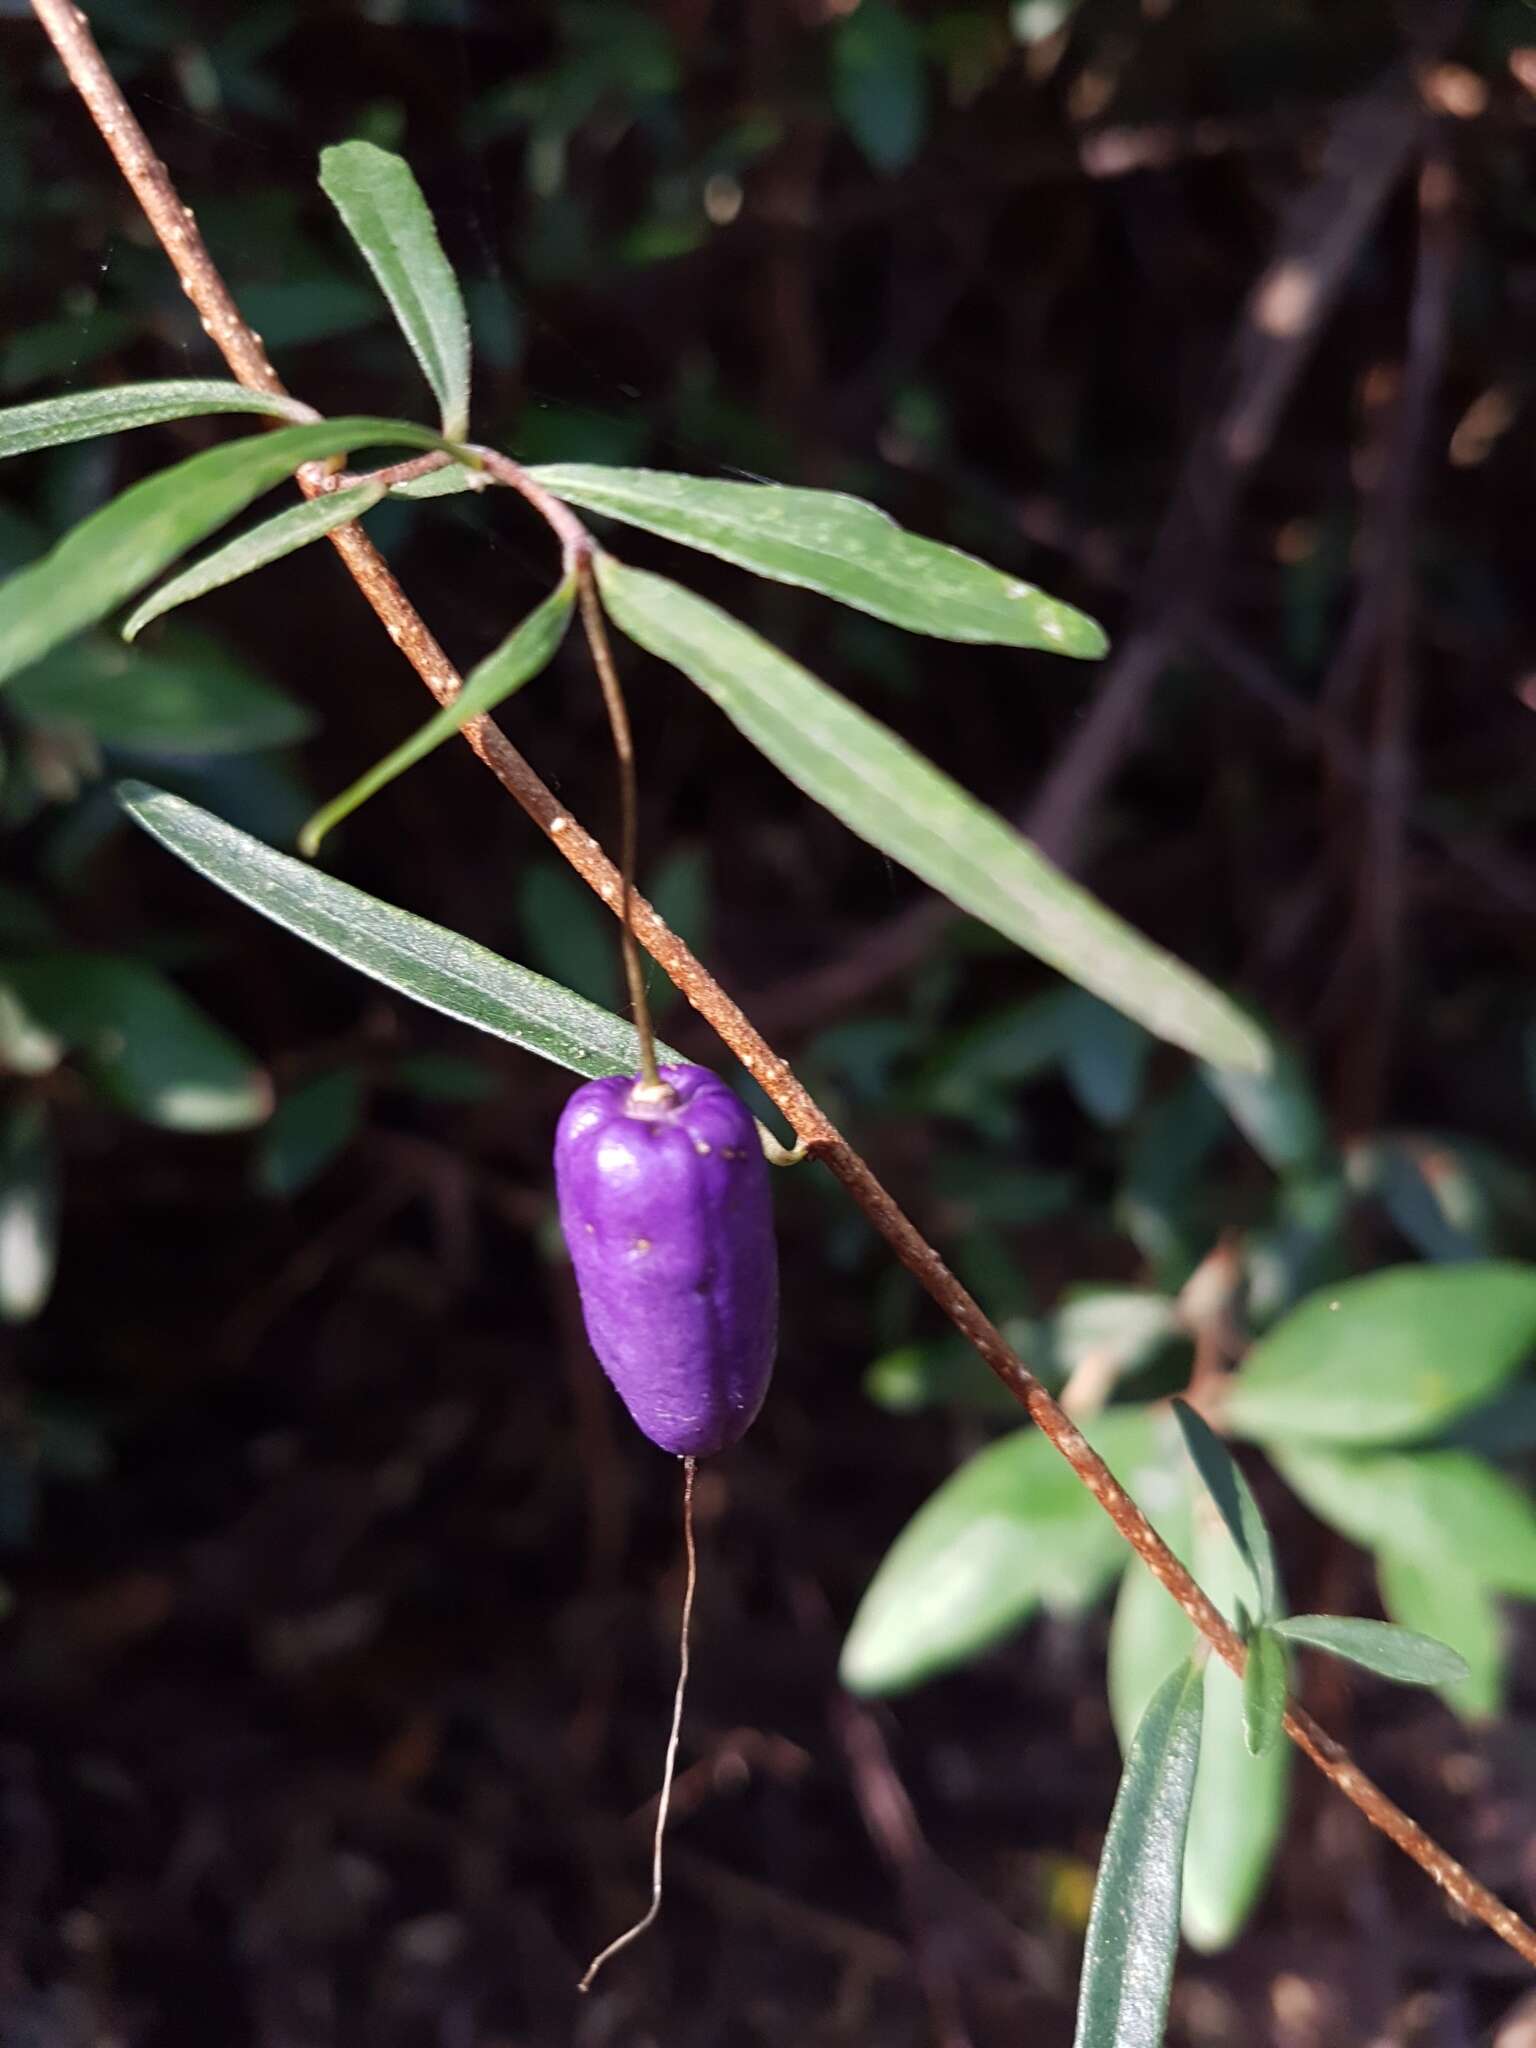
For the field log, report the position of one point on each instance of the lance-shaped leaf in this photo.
(81, 415)
(891, 796)
(821, 540)
(283, 534)
(1133, 1929)
(520, 657)
(1401, 1654)
(116, 551)
(382, 208)
(1227, 1486)
(407, 953)
(191, 697)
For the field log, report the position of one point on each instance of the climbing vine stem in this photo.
(173, 223)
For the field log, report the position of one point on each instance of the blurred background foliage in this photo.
(341, 1637)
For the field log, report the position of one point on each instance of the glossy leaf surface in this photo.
(407, 953)
(1133, 1929)
(891, 796)
(116, 551)
(839, 546)
(82, 415)
(283, 534)
(382, 208)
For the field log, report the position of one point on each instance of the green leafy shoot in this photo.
(82, 415)
(382, 208)
(1228, 1488)
(1265, 1682)
(520, 657)
(1401, 1654)
(899, 802)
(1133, 1928)
(116, 551)
(839, 546)
(283, 534)
(407, 953)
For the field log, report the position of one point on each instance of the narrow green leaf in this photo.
(1436, 1506)
(840, 546)
(1400, 1654)
(1133, 1929)
(1227, 1486)
(308, 1130)
(119, 549)
(1443, 1599)
(29, 1212)
(405, 952)
(81, 415)
(891, 796)
(1240, 1799)
(1277, 1112)
(1391, 1356)
(520, 657)
(382, 209)
(281, 535)
(145, 1045)
(1264, 1688)
(192, 696)
(1012, 1530)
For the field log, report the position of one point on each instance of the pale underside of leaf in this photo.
(82, 415)
(283, 534)
(891, 796)
(1133, 1929)
(431, 965)
(840, 546)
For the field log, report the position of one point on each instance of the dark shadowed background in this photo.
(342, 1642)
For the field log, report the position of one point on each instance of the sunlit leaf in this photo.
(1444, 1599)
(382, 208)
(823, 541)
(1401, 1654)
(1240, 1799)
(116, 551)
(898, 801)
(520, 657)
(81, 415)
(1430, 1505)
(145, 1045)
(1396, 1354)
(283, 534)
(1229, 1489)
(191, 695)
(1012, 1530)
(1133, 1930)
(417, 959)
(29, 1212)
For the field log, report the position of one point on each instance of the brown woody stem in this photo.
(173, 223)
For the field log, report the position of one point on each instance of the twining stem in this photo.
(173, 224)
(669, 1769)
(596, 629)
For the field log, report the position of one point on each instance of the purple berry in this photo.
(666, 1208)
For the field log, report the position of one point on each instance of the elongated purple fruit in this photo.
(666, 1209)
